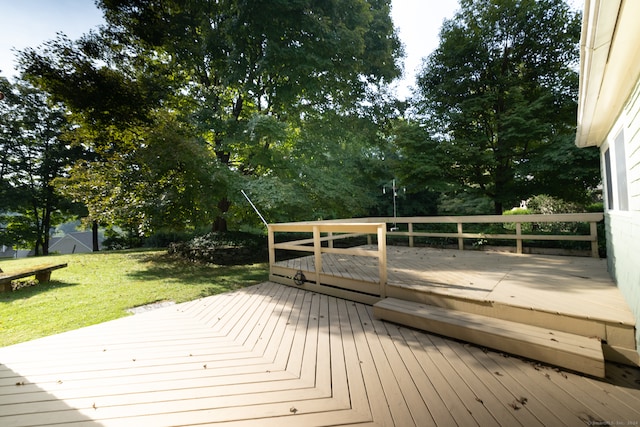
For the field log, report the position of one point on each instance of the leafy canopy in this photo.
(498, 97)
(238, 84)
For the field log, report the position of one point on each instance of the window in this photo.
(608, 181)
(621, 173)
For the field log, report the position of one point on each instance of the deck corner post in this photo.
(272, 250)
(382, 259)
(518, 237)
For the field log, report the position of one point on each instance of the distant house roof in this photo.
(82, 238)
(7, 251)
(609, 65)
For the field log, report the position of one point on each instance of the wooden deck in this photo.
(274, 355)
(569, 294)
(570, 285)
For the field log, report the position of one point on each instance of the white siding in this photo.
(623, 225)
(631, 119)
(623, 247)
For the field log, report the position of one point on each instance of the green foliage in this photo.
(498, 99)
(168, 180)
(164, 238)
(116, 240)
(422, 161)
(184, 104)
(518, 211)
(34, 150)
(545, 204)
(469, 202)
(223, 248)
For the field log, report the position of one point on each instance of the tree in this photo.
(243, 76)
(500, 92)
(165, 181)
(33, 153)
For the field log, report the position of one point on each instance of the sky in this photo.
(28, 23)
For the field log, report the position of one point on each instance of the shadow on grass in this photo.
(29, 291)
(216, 278)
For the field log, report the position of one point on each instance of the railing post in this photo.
(382, 259)
(410, 234)
(330, 234)
(594, 239)
(272, 248)
(460, 238)
(317, 252)
(518, 237)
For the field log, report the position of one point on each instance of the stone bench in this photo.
(42, 274)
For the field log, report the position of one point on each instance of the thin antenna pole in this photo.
(254, 208)
(395, 211)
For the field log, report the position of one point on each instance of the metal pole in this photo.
(395, 211)
(254, 208)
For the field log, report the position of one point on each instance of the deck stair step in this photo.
(558, 348)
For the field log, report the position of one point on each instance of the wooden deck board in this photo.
(280, 356)
(381, 412)
(445, 380)
(487, 389)
(392, 394)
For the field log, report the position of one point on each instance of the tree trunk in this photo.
(46, 224)
(498, 208)
(94, 233)
(220, 223)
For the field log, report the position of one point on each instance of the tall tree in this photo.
(243, 75)
(499, 92)
(34, 152)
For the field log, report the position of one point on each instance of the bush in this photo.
(162, 239)
(229, 248)
(116, 242)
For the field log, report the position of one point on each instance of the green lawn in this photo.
(101, 286)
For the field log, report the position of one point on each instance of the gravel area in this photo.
(149, 307)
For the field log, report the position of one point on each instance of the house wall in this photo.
(621, 175)
(69, 246)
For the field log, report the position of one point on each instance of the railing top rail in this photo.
(471, 219)
(327, 227)
(330, 221)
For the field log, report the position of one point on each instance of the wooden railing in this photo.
(373, 287)
(517, 220)
(329, 231)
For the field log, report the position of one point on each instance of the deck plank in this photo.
(565, 409)
(492, 393)
(280, 356)
(392, 392)
(380, 410)
(444, 380)
(412, 397)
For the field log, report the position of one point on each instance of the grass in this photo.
(101, 286)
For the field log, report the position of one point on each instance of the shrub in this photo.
(164, 238)
(229, 248)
